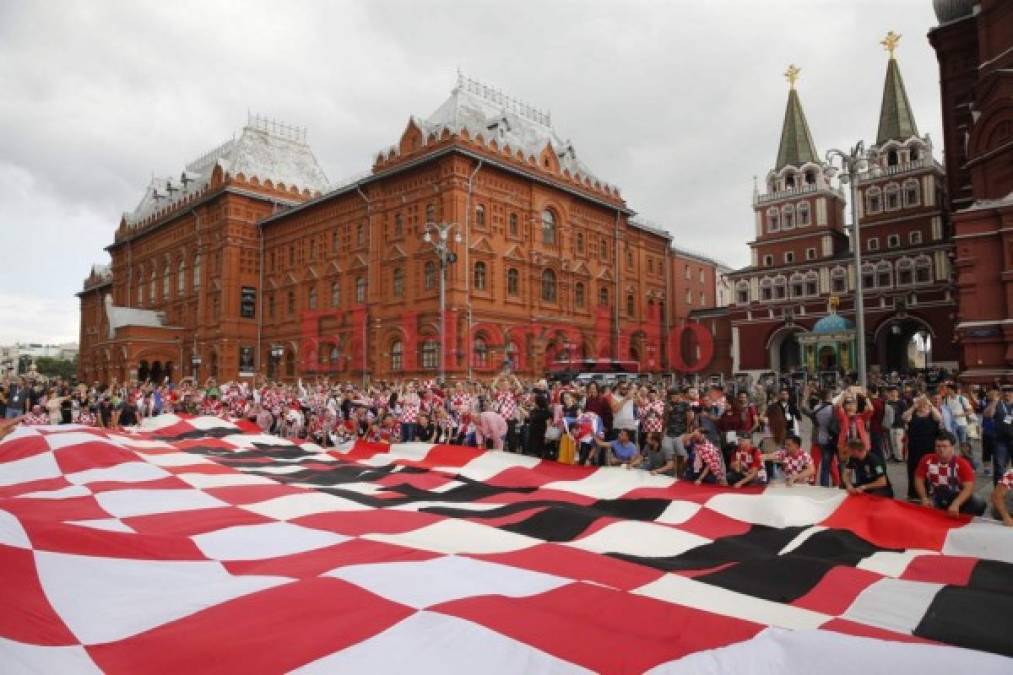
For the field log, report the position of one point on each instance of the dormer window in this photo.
(915, 155)
(810, 178)
(892, 158)
(789, 182)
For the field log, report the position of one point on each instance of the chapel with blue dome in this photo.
(830, 345)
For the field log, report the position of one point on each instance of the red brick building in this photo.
(802, 257)
(255, 266)
(974, 46)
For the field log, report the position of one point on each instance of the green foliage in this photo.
(51, 367)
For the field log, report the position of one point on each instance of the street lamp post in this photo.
(854, 163)
(438, 236)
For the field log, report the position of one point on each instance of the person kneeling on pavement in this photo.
(865, 472)
(658, 459)
(999, 493)
(746, 464)
(945, 480)
(621, 451)
(706, 465)
(796, 464)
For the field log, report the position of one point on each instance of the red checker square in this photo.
(374, 521)
(449, 455)
(173, 430)
(603, 629)
(863, 630)
(26, 446)
(314, 563)
(167, 483)
(272, 631)
(45, 511)
(95, 454)
(887, 523)
(204, 443)
(248, 427)
(713, 525)
(251, 494)
(941, 569)
(89, 541)
(837, 590)
(27, 615)
(574, 563)
(518, 476)
(197, 521)
(363, 450)
(41, 485)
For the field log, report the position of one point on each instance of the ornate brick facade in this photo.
(292, 279)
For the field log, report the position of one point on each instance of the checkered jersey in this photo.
(652, 415)
(705, 454)
(506, 405)
(795, 465)
(950, 474)
(410, 405)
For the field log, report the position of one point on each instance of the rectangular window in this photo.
(810, 254)
(789, 257)
(248, 303)
(915, 237)
(246, 360)
(893, 241)
(872, 244)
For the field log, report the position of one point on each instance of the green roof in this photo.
(797, 145)
(896, 121)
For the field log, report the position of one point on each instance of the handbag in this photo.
(567, 450)
(553, 433)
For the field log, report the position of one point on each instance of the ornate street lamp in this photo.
(853, 164)
(437, 235)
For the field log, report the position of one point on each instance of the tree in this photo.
(51, 367)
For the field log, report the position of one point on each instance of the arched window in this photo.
(892, 158)
(788, 217)
(513, 225)
(839, 280)
(396, 355)
(780, 287)
(873, 200)
(742, 292)
(812, 284)
(430, 213)
(360, 235)
(334, 355)
(398, 224)
(291, 303)
(884, 274)
(810, 177)
(773, 220)
(803, 214)
(789, 181)
(140, 286)
(311, 297)
(578, 294)
(480, 276)
(398, 282)
(603, 296)
(868, 276)
(479, 215)
(631, 305)
(151, 286)
(689, 297)
(912, 192)
(180, 277)
(796, 286)
(335, 293)
(923, 269)
(513, 282)
(549, 286)
(429, 276)
(915, 154)
(431, 354)
(548, 227)
(604, 248)
(905, 272)
(892, 197)
(580, 242)
(360, 290)
(289, 362)
(767, 289)
(481, 353)
(166, 281)
(196, 272)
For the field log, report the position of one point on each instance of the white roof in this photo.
(129, 316)
(481, 109)
(265, 149)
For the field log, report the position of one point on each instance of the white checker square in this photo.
(894, 604)
(263, 540)
(639, 538)
(289, 507)
(139, 502)
(458, 536)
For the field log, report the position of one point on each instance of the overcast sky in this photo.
(678, 103)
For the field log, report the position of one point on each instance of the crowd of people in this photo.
(736, 435)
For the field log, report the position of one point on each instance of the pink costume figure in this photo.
(491, 425)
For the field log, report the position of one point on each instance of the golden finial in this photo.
(792, 75)
(890, 42)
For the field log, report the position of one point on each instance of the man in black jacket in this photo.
(17, 394)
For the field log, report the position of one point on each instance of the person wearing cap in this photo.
(945, 480)
(1001, 412)
(865, 472)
